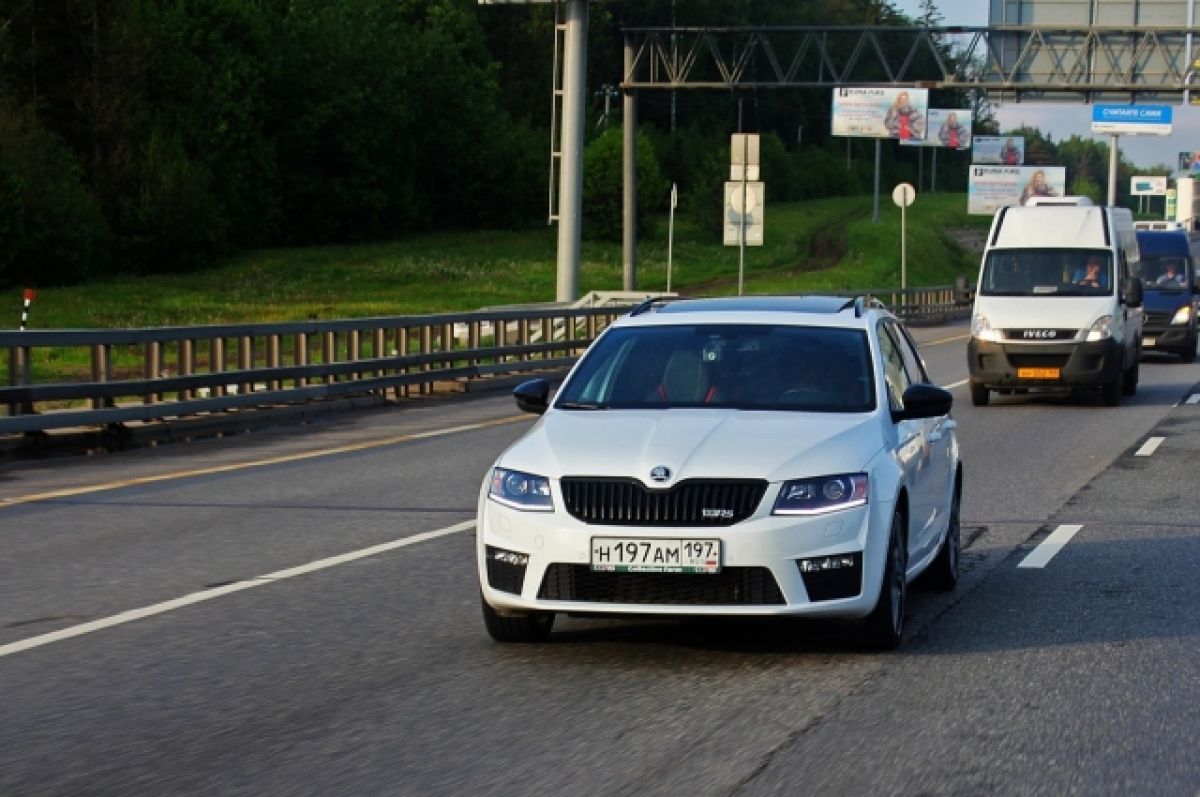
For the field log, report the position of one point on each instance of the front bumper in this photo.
(1081, 364)
(760, 574)
(1162, 337)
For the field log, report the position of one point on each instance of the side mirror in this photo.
(532, 396)
(924, 401)
(1133, 293)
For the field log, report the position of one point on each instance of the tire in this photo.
(1111, 393)
(1130, 380)
(1188, 355)
(942, 574)
(979, 395)
(884, 626)
(532, 627)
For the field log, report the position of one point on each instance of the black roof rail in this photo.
(653, 302)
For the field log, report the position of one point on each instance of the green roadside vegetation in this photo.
(819, 245)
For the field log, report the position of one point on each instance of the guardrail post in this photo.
(273, 360)
(329, 354)
(523, 336)
(402, 349)
(216, 362)
(301, 356)
(187, 365)
(16, 373)
(378, 344)
(547, 335)
(152, 369)
(245, 362)
(99, 372)
(473, 339)
(426, 348)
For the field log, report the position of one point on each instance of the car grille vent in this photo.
(1038, 360)
(694, 502)
(1159, 318)
(732, 586)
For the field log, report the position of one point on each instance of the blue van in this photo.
(1170, 289)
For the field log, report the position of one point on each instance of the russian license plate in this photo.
(636, 555)
(1038, 373)
(1148, 343)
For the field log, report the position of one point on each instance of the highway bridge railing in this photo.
(131, 375)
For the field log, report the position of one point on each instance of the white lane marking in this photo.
(940, 341)
(959, 383)
(1042, 554)
(1193, 399)
(1149, 447)
(70, 492)
(226, 589)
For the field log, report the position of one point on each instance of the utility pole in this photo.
(570, 183)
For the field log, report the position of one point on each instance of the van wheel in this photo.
(979, 395)
(1188, 354)
(1113, 390)
(1130, 380)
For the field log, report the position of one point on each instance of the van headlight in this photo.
(1101, 330)
(520, 490)
(982, 330)
(1182, 316)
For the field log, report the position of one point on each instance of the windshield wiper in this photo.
(582, 405)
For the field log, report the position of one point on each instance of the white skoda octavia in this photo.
(751, 456)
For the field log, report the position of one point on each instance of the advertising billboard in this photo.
(947, 128)
(1006, 150)
(993, 187)
(879, 112)
(1189, 161)
(1148, 185)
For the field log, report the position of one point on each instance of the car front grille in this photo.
(693, 502)
(1038, 360)
(1157, 318)
(732, 586)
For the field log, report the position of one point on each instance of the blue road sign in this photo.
(1132, 119)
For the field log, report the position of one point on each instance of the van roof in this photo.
(1050, 226)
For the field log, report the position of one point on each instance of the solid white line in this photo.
(960, 383)
(1149, 447)
(226, 589)
(1193, 399)
(1042, 554)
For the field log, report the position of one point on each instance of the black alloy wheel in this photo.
(884, 626)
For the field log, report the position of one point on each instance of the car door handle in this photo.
(908, 439)
(935, 436)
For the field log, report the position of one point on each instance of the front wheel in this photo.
(1188, 354)
(884, 626)
(979, 395)
(532, 627)
(1130, 381)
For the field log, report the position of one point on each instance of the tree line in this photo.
(156, 135)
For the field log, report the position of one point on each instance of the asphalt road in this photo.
(372, 674)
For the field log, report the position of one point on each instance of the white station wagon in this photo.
(749, 456)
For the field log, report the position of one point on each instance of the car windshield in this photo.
(738, 366)
(1047, 272)
(1165, 272)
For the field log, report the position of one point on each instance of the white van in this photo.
(1057, 301)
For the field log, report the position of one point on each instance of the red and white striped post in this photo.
(30, 295)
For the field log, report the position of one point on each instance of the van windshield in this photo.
(1165, 273)
(1047, 272)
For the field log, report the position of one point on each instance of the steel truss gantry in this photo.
(1009, 62)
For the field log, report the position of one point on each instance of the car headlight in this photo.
(1183, 315)
(1101, 330)
(822, 494)
(520, 490)
(981, 329)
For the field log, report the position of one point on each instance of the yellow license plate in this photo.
(1038, 373)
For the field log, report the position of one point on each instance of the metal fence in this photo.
(150, 374)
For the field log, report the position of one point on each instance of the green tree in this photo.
(603, 185)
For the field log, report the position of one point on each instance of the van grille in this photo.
(694, 502)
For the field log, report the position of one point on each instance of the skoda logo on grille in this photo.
(660, 473)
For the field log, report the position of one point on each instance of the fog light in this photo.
(826, 563)
(510, 557)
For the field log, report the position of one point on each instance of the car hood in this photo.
(699, 443)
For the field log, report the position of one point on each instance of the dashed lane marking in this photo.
(959, 383)
(225, 589)
(947, 340)
(69, 492)
(1040, 556)
(1149, 447)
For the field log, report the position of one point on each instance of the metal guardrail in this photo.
(156, 373)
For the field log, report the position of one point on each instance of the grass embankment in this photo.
(828, 244)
